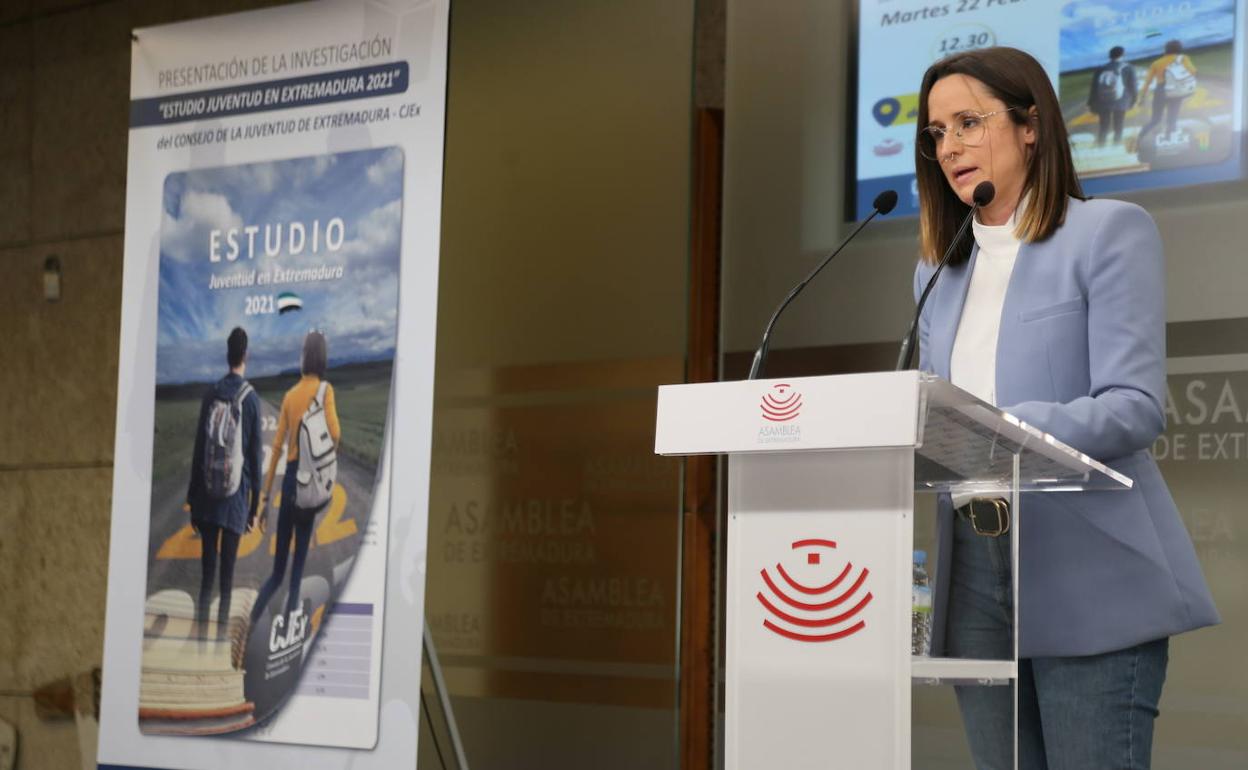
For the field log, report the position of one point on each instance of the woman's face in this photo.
(999, 156)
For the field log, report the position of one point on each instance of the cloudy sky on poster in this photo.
(1091, 27)
(358, 312)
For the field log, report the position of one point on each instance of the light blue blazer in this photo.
(1081, 355)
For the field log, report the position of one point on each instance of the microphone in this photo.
(883, 204)
(983, 195)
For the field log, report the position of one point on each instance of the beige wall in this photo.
(566, 195)
(561, 306)
(64, 92)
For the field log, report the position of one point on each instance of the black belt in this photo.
(988, 516)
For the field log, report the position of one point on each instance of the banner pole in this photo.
(444, 698)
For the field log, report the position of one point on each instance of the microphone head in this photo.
(984, 193)
(885, 201)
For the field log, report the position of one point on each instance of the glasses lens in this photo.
(929, 144)
(973, 130)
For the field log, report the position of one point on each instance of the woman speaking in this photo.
(1055, 312)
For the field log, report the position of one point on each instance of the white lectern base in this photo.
(819, 549)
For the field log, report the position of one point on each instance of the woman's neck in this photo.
(999, 211)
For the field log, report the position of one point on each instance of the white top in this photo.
(973, 363)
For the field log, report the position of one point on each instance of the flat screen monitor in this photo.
(1182, 115)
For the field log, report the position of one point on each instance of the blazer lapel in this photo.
(1007, 333)
(953, 284)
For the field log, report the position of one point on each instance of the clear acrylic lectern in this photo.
(822, 473)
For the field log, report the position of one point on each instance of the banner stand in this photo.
(444, 701)
(275, 390)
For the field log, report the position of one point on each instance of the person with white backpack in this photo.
(309, 432)
(1112, 93)
(224, 490)
(1175, 78)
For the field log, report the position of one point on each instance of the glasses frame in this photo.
(939, 134)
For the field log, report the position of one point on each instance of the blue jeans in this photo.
(295, 522)
(1075, 713)
(214, 540)
(1167, 109)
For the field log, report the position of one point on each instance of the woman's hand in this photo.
(262, 516)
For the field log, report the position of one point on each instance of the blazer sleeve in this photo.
(1125, 283)
(922, 274)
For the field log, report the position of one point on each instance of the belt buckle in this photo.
(989, 516)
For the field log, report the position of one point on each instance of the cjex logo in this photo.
(815, 613)
(781, 403)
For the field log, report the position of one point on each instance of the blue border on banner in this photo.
(324, 88)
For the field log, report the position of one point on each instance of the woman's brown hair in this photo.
(1017, 79)
(315, 359)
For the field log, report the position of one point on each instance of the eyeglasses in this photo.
(970, 131)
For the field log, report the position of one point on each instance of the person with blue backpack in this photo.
(1113, 92)
(224, 489)
(308, 431)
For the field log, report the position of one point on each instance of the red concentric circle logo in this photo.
(781, 403)
(818, 613)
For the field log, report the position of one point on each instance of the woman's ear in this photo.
(1029, 129)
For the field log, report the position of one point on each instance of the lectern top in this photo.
(961, 444)
(968, 445)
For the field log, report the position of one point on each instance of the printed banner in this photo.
(266, 566)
